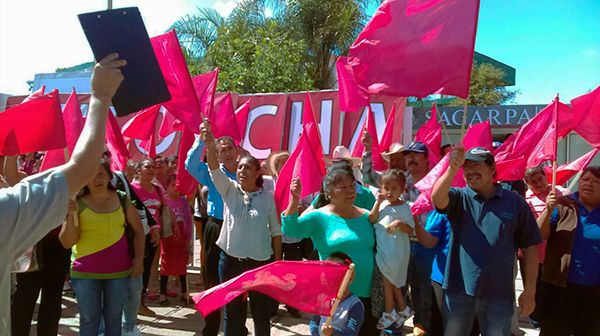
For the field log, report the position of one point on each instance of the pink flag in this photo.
(388, 133)
(566, 171)
(310, 286)
(186, 184)
(241, 117)
(586, 110)
(184, 103)
(352, 96)
(143, 125)
(479, 135)
(511, 169)
(73, 123)
(430, 134)
(414, 48)
(116, 144)
(40, 92)
(36, 125)
(223, 121)
(149, 146)
(305, 161)
(205, 86)
(370, 127)
(169, 125)
(423, 203)
(546, 147)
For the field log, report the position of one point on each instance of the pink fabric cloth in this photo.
(305, 162)
(412, 48)
(566, 171)
(186, 184)
(388, 133)
(73, 121)
(36, 125)
(223, 122)
(116, 144)
(205, 86)
(586, 111)
(370, 127)
(546, 147)
(143, 125)
(479, 135)
(241, 118)
(184, 103)
(310, 286)
(174, 251)
(430, 133)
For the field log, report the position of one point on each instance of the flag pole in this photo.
(554, 164)
(340, 294)
(75, 215)
(572, 184)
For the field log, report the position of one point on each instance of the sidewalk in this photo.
(177, 320)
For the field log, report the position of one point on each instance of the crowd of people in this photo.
(453, 269)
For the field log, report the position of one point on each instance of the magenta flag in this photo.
(423, 203)
(566, 171)
(371, 128)
(186, 184)
(352, 96)
(116, 144)
(168, 124)
(430, 134)
(184, 103)
(546, 146)
(36, 125)
(388, 133)
(223, 121)
(479, 135)
(414, 48)
(40, 92)
(310, 286)
(586, 110)
(143, 125)
(305, 162)
(205, 86)
(241, 117)
(511, 169)
(73, 123)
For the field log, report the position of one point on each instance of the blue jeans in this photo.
(235, 311)
(132, 303)
(419, 279)
(460, 310)
(100, 298)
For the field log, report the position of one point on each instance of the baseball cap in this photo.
(480, 154)
(417, 147)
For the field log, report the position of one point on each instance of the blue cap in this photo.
(417, 147)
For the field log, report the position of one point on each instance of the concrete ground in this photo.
(184, 320)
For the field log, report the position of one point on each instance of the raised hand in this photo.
(551, 200)
(457, 157)
(296, 188)
(206, 133)
(366, 141)
(107, 77)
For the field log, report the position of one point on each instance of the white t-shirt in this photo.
(28, 211)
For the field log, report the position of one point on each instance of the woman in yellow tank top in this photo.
(101, 264)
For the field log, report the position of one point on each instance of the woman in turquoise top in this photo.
(338, 226)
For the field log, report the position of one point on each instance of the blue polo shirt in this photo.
(485, 237)
(438, 226)
(199, 170)
(584, 269)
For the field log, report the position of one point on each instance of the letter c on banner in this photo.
(161, 147)
(255, 113)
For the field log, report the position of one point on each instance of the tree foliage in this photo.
(487, 88)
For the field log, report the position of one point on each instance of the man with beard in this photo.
(488, 224)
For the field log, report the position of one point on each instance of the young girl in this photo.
(174, 250)
(393, 223)
(349, 315)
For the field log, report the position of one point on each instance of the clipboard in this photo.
(123, 31)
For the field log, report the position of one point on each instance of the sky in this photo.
(553, 44)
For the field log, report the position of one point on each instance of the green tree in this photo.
(263, 58)
(487, 88)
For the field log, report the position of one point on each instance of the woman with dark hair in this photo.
(250, 235)
(339, 226)
(102, 258)
(571, 272)
(364, 197)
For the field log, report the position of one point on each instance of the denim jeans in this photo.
(98, 299)
(419, 279)
(235, 311)
(132, 303)
(460, 310)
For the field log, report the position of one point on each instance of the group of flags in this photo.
(408, 48)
